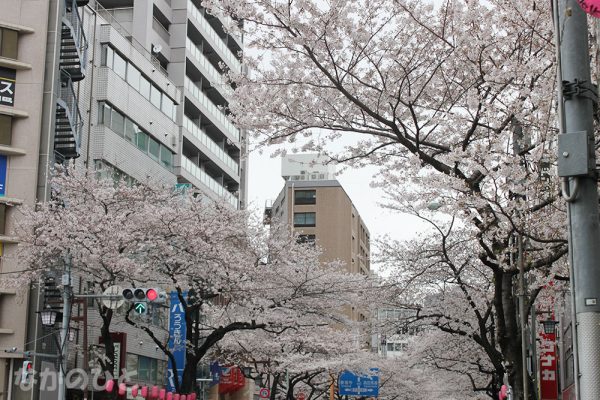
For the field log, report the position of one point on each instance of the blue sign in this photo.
(177, 338)
(215, 372)
(3, 163)
(350, 384)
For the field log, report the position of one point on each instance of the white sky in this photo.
(265, 183)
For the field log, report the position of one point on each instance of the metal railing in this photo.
(214, 111)
(67, 99)
(72, 15)
(207, 180)
(208, 31)
(216, 79)
(199, 134)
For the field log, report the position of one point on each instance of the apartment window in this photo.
(128, 129)
(307, 239)
(8, 43)
(120, 66)
(141, 141)
(305, 196)
(118, 122)
(5, 129)
(133, 76)
(154, 149)
(167, 106)
(166, 157)
(108, 55)
(155, 96)
(304, 219)
(145, 87)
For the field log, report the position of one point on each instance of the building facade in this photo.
(318, 209)
(133, 89)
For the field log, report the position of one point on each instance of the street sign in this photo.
(359, 385)
(264, 393)
(111, 302)
(140, 307)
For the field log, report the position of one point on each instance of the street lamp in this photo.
(549, 326)
(48, 317)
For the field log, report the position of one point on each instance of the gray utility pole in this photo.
(577, 169)
(66, 317)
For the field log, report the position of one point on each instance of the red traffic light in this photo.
(151, 294)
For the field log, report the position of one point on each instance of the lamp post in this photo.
(549, 326)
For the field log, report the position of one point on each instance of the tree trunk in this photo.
(510, 336)
(188, 380)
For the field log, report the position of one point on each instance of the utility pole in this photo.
(577, 169)
(64, 330)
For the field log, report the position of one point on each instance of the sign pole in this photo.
(577, 169)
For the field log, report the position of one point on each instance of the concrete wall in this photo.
(31, 18)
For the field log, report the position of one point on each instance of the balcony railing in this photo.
(199, 134)
(208, 31)
(73, 51)
(161, 30)
(208, 181)
(215, 77)
(214, 111)
(68, 121)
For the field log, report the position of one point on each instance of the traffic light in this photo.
(151, 295)
(27, 371)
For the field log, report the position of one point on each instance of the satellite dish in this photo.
(156, 48)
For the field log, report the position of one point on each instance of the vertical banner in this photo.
(119, 340)
(548, 367)
(3, 168)
(7, 86)
(177, 339)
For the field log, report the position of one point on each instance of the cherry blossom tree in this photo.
(231, 274)
(239, 277)
(93, 225)
(453, 102)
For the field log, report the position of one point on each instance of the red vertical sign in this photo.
(548, 367)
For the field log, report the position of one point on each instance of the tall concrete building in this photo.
(130, 88)
(318, 208)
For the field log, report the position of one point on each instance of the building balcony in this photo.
(213, 39)
(195, 175)
(211, 111)
(208, 70)
(68, 122)
(231, 166)
(73, 49)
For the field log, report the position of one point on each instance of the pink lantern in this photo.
(591, 7)
(192, 396)
(161, 394)
(154, 393)
(170, 396)
(145, 392)
(122, 389)
(110, 385)
(176, 396)
(182, 397)
(134, 390)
